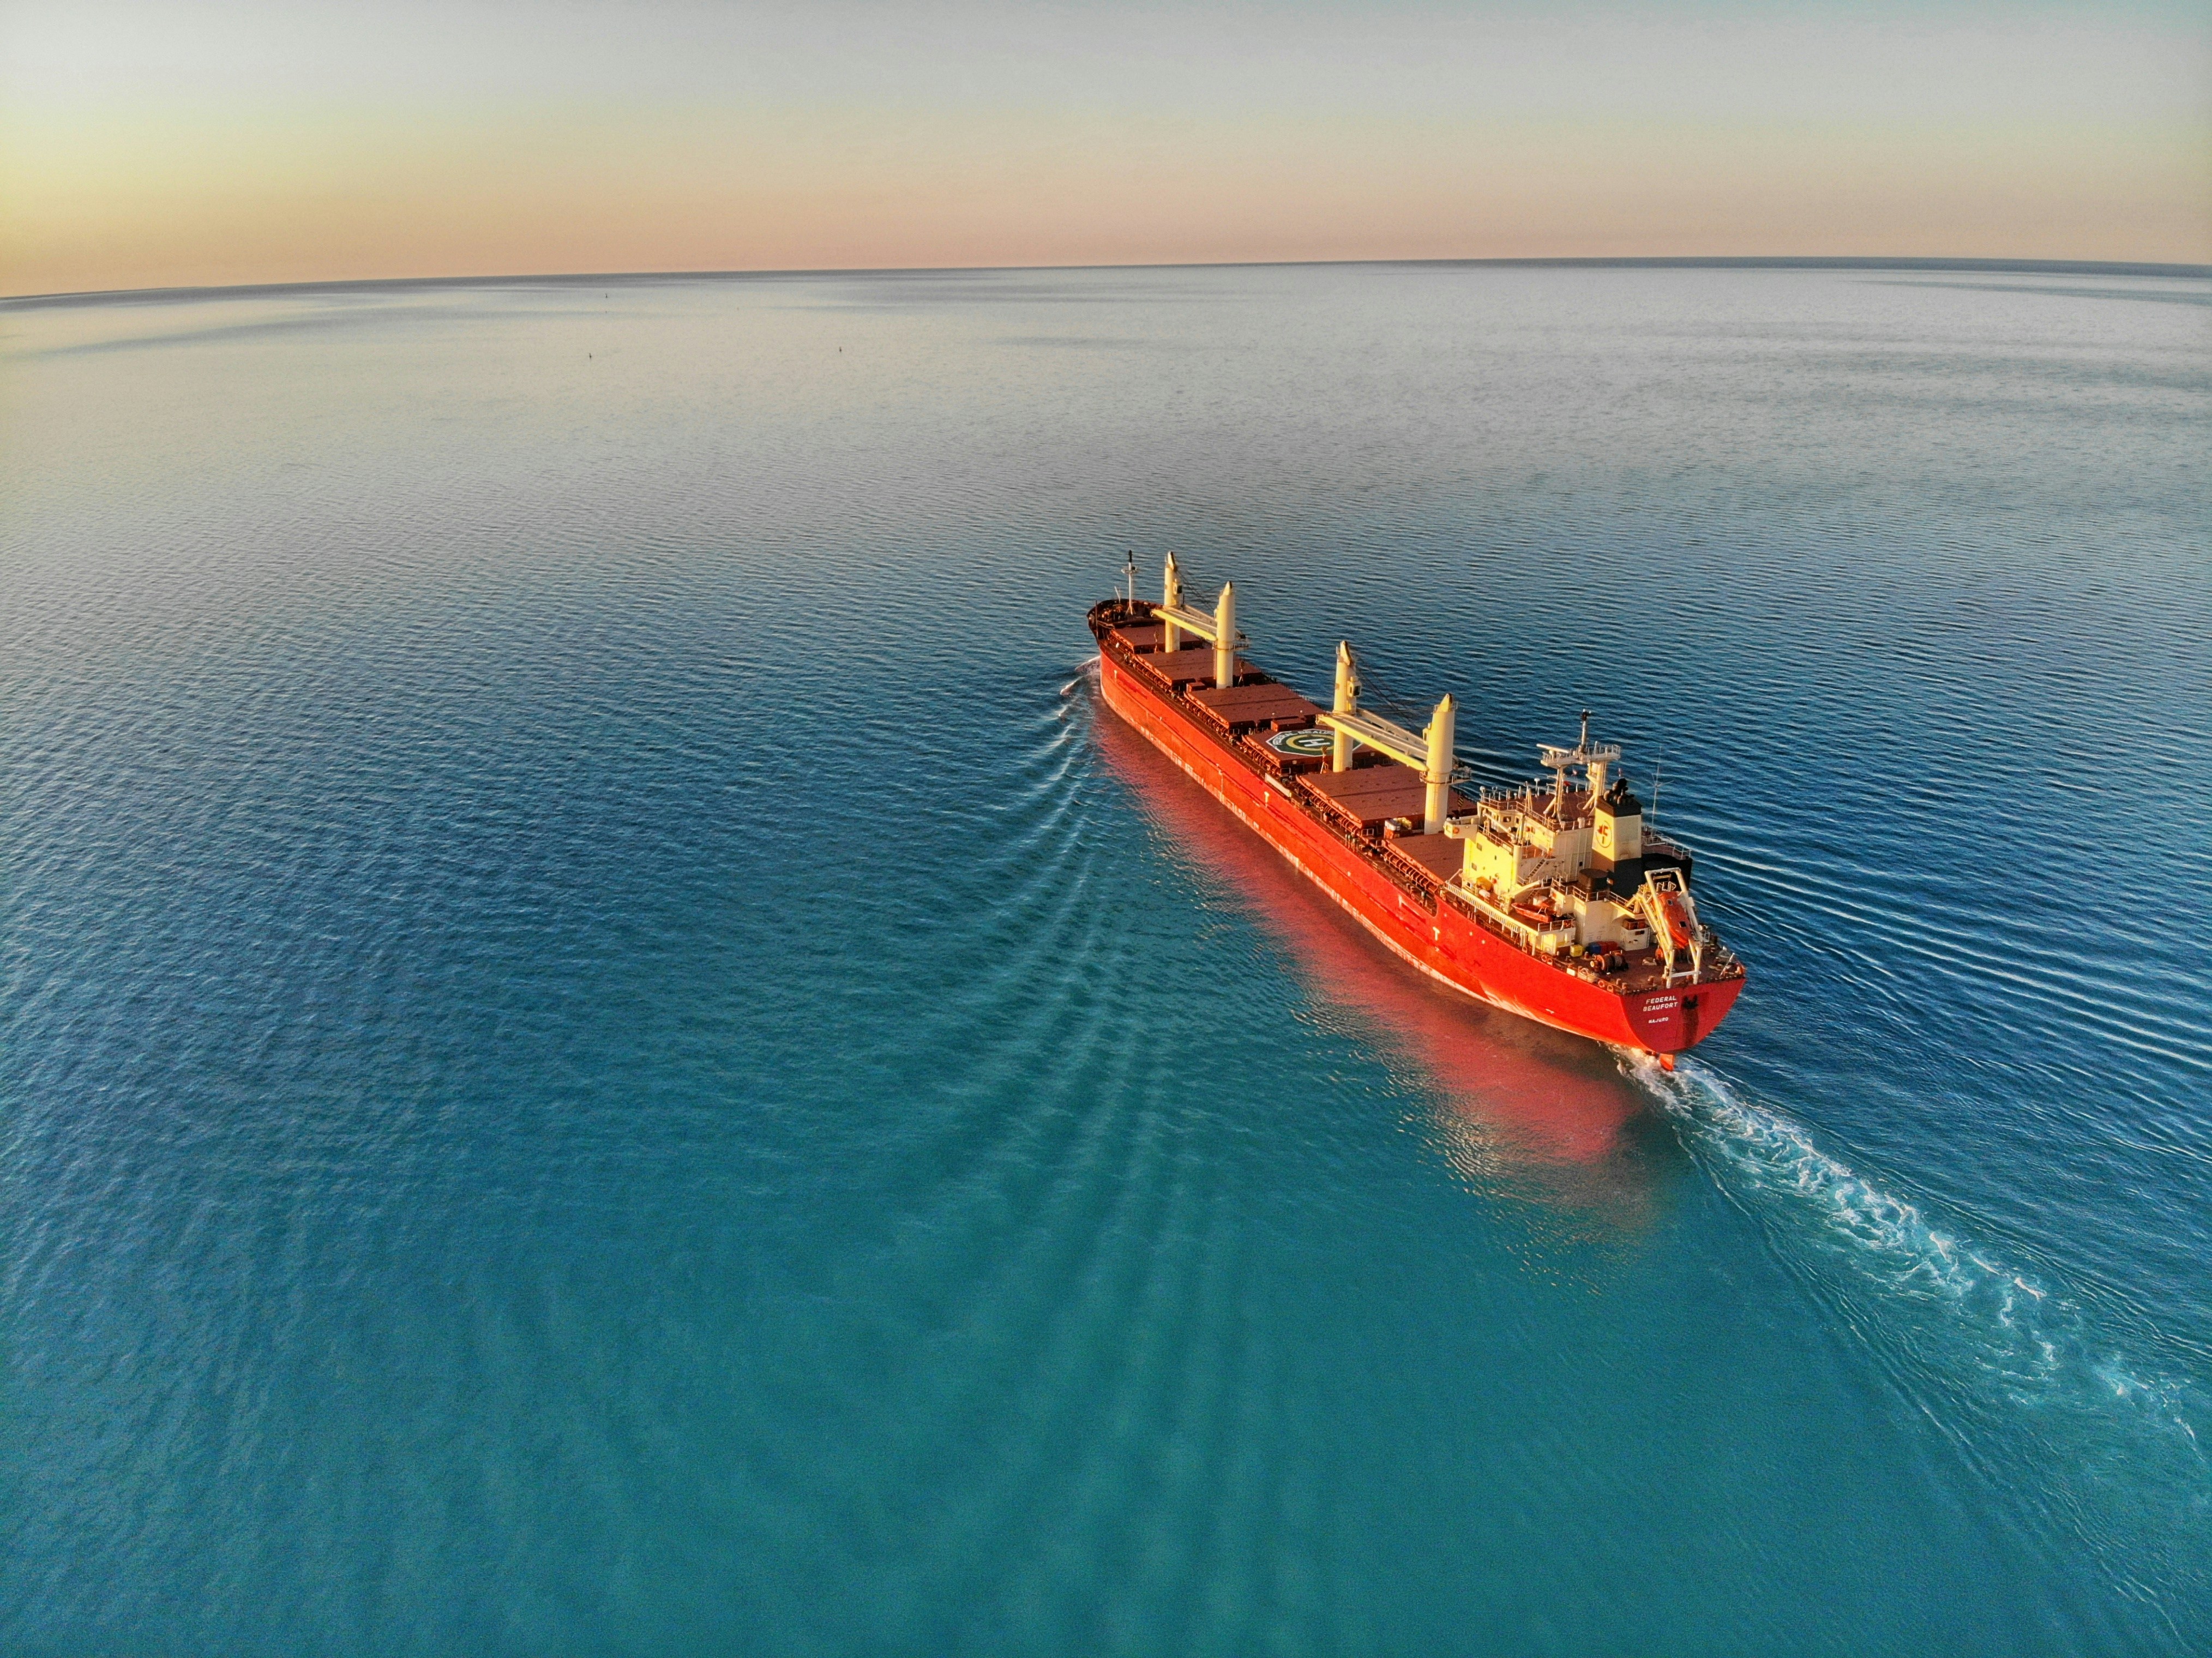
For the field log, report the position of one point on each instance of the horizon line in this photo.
(1662, 262)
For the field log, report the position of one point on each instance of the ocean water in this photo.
(604, 1050)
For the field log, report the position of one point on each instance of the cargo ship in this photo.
(1555, 899)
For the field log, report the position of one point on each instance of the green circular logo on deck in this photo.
(1303, 745)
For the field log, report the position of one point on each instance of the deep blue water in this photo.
(604, 1050)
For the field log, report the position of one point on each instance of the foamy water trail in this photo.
(2012, 1368)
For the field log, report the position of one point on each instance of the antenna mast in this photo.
(1595, 760)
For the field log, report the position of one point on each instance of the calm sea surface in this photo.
(604, 1050)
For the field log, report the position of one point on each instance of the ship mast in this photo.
(1346, 701)
(1594, 759)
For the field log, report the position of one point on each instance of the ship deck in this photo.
(1362, 807)
(1437, 856)
(1242, 706)
(1372, 797)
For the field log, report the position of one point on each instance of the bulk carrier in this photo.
(1555, 900)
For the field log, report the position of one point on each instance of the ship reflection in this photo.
(1516, 1105)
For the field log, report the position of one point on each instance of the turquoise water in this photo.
(605, 1051)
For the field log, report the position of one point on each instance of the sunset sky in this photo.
(161, 142)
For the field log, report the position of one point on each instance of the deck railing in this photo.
(1418, 882)
(1401, 872)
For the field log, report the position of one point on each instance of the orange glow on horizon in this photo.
(1051, 151)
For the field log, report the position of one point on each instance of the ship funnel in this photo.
(1442, 733)
(1171, 598)
(1616, 828)
(1347, 701)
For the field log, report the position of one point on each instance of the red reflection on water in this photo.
(1512, 1091)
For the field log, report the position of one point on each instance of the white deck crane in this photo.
(1430, 753)
(1220, 627)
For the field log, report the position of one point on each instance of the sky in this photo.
(195, 142)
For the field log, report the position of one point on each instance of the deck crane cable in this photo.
(1379, 696)
(1200, 588)
(1376, 695)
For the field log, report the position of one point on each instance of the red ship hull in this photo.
(1442, 939)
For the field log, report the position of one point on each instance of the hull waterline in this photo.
(1443, 938)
